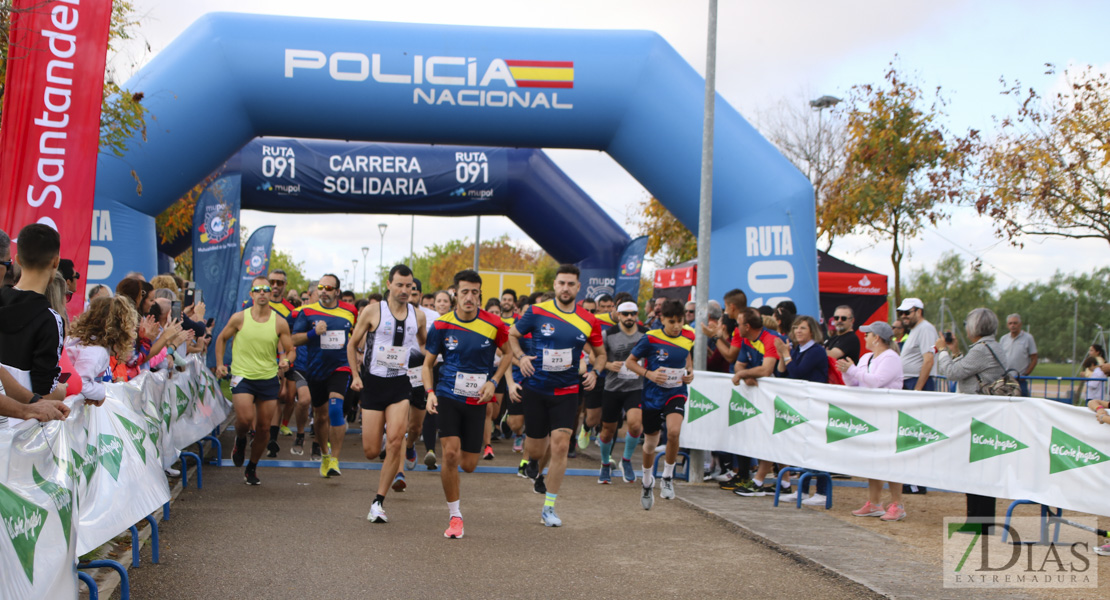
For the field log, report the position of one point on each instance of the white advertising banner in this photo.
(68, 487)
(1020, 448)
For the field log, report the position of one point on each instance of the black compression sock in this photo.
(273, 432)
(380, 499)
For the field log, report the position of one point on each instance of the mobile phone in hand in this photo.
(190, 297)
(948, 338)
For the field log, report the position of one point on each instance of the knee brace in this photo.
(335, 412)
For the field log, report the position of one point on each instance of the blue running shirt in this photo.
(468, 349)
(557, 341)
(327, 353)
(659, 350)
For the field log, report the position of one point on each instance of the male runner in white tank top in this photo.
(391, 330)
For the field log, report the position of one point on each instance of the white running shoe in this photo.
(666, 489)
(377, 514)
(814, 500)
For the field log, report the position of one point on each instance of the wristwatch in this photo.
(34, 398)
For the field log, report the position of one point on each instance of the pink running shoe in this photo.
(869, 510)
(894, 512)
(455, 529)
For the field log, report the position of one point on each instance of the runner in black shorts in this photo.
(560, 331)
(622, 391)
(389, 332)
(468, 340)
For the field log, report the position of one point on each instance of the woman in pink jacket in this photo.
(879, 368)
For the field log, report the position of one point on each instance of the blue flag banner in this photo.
(632, 265)
(255, 261)
(216, 250)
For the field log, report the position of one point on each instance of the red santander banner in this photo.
(51, 121)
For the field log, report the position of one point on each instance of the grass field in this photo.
(1053, 370)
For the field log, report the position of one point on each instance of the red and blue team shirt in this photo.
(466, 347)
(659, 350)
(555, 330)
(753, 353)
(327, 353)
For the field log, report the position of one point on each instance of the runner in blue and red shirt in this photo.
(468, 339)
(325, 328)
(560, 331)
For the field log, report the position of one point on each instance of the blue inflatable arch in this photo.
(232, 77)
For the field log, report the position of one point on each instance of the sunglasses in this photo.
(260, 288)
(841, 318)
(628, 314)
(327, 288)
(277, 282)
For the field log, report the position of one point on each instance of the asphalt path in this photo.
(301, 536)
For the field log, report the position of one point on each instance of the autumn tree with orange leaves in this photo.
(437, 264)
(669, 241)
(902, 166)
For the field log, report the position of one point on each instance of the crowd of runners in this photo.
(439, 366)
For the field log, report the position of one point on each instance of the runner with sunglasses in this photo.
(623, 390)
(288, 397)
(259, 335)
(325, 328)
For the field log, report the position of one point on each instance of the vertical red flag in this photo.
(51, 122)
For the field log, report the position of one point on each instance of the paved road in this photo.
(300, 536)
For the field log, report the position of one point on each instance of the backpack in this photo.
(1007, 385)
(835, 376)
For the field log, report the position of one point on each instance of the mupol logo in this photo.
(436, 79)
(218, 224)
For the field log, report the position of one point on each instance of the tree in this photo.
(437, 265)
(121, 113)
(962, 286)
(1045, 173)
(294, 271)
(812, 141)
(901, 167)
(669, 241)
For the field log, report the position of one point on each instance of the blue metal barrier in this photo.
(801, 484)
(1046, 514)
(215, 443)
(682, 467)
(124, 582)
(1067, 390)
(94, 592)
(185, 470)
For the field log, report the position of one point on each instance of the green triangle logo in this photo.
(785, 416)
(109, 453)
(1066, 452)
(137, 435)
(23, 521)
(988, 442)
(91, 463)
(167, 413)
(182, 401)
(843, 425)
(155, 434)
(698, 406)
(740, 409)
(63, 500)
(914, 434)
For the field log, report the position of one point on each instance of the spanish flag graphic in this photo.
(542, 73)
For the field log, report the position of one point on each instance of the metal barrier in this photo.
(124, 581)
(94, 592)
(1067, 390)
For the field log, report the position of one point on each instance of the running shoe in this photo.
(647, 497)
(377, 513)
(747, 489)
(488, 453)
(1103, 550)
(627, 470)
(522, 470)
(605, 476)
(550, 519)
(539, 486)
(410, 458)
(430, 460)
(814, 500)
(238, 454)
(251, 478)
(454, 529)
(272, 449)
(869, 510)
(768, 489)
(298, 447)
(728, 475)
(518, 443)
(583, 437)
(284, 430)
(333, 467)
(399, 484)
(894, 512)
(315, 456)
(732, 483)
(666, 489)
(325, 462)
(531, 469)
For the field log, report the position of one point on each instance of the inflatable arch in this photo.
(232, 77)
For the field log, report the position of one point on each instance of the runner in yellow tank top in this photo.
(257, 332)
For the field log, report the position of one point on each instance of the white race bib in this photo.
(674, 377)
(556, 360)
(391, 357)
(235, 379)
(469, 385)
(416, 376)
(333, 339)
(624, 373)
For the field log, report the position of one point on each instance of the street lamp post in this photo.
(354, 268)
(345, 271)
(365, 251)
(820, 105)
(381, 255)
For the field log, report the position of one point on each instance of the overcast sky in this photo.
(767, 52)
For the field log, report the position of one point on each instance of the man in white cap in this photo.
(918, 360)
